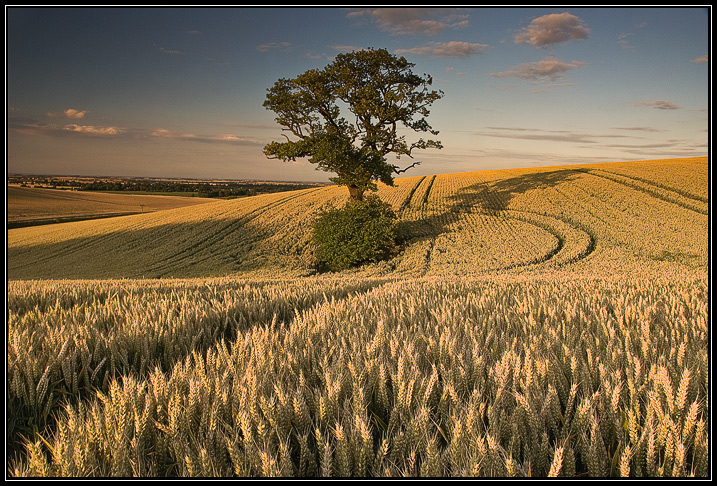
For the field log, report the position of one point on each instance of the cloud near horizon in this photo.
(446, 49)
(90, 130)
(190, 137)
(638, 129)
(545, 135)
(31, 127)
(552, 29)
(659, 104)
(414, 20)
(28, 127)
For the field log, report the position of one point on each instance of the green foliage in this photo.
(360, 232)
(380, 90)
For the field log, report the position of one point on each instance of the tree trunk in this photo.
(355, 193)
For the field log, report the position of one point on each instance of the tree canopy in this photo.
(383, 95)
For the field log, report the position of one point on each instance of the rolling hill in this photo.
(612, 217)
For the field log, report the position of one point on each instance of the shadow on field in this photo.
(188, 250)
(487, 196)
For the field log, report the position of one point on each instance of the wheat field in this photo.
(32, 205)
(537, 323)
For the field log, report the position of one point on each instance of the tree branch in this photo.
(401, 171)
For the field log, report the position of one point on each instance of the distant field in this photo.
(31, 206)
(538, 322)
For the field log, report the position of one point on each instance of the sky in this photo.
(179, 92)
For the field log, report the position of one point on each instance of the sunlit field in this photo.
(31, 205)
(537, 322)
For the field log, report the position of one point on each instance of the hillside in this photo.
(601, 218)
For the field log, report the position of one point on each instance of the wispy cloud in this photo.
(414, 20)
(659, 104)
(705, 58)
(623, 41)
(548, 69)
(190, 137)
(275, 46)
(545, 135)
(446, 49)
(32, 127)
(638, 129)
(552, 29)
(28, 127)
(346, 48)
(641, 147)
(259, 126)
(171, 51)
(91, 130)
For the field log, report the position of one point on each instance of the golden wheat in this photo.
(306, 395)
(538, 322)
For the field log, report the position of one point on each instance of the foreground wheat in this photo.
(432, 378)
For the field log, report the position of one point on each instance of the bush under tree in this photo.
(360, 232)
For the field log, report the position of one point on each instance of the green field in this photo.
(537, 322)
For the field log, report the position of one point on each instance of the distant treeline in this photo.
(216, 189)
(220, 189)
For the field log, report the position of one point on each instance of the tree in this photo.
(381, 92)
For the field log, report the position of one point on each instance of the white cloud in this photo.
(552, 29)
(705, 58)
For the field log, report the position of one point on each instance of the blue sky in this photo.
(175, 92)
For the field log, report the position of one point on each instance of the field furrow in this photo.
(690, 177)
(689, 202)
(220, 236)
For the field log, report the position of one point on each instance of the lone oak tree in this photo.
(380, 90)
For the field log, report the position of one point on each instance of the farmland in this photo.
(34, 200)
(29, 206)
(537, 322)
